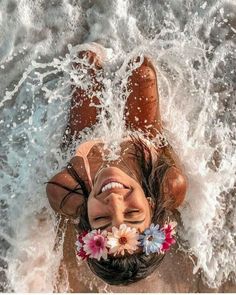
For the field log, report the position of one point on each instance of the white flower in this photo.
(78, 245)
(122, 239)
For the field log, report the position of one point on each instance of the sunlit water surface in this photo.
(192, 44)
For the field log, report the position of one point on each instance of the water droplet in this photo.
(24, 107)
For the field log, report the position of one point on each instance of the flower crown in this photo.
(98, 244)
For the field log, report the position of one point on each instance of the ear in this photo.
(151, 203)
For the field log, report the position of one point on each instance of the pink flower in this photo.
(80, 246)
(169, 230)
(80, 237)
(95, 244)
(81, 253)
(122, 239)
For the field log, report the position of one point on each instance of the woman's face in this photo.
(117, 198)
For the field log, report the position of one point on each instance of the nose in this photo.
(116, 205)
(114, 199)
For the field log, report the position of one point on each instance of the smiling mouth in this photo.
(112, 184)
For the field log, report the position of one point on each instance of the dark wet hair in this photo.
(131, 268)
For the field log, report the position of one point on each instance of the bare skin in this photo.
(79, 118)
(118, 205)
(143, 101)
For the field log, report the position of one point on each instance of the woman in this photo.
(140, 188)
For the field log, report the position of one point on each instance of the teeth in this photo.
(112, 185)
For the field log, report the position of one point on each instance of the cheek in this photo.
(140, 202)
(138, 199)
(91, 203)
(91, 206)
(94, 207)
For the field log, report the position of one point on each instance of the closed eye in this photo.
(132, 212)
(100, 217)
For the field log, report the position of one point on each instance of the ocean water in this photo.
(193, 45)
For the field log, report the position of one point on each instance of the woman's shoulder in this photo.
(174, 183)
(67, 180)
(64, 187)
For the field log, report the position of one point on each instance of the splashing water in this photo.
(192, 44)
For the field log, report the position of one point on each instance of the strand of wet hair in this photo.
(77, 178)
(79, 186)
(70, 191)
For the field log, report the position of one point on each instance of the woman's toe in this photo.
(91, 57)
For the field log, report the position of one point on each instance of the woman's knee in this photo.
(145, 72)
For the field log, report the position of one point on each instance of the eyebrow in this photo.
(131, 222)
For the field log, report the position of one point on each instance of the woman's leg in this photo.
(142, 108)
(83, 113)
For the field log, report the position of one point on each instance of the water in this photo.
(192, 43)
